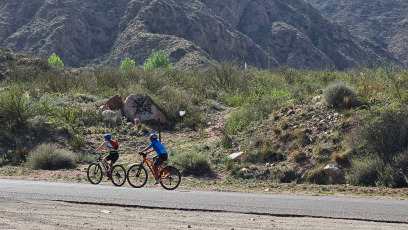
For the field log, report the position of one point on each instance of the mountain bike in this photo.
(137, 174)
(96, 171)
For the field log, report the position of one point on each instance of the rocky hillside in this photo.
(385, 22)
(263, 33)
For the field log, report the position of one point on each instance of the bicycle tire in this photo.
(170, 178)
(118, 175)
(94, 173)
(137, 176)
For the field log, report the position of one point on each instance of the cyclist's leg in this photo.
(158, 161)
(112, 158)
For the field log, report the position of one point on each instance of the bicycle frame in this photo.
(149, 164)
(100, 159)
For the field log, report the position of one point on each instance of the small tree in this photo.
(157, 60)
(127, 64)
(54, 60)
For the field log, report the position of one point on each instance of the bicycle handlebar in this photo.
(144, 153)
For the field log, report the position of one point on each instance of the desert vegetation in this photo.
(288, 123)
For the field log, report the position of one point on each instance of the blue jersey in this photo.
(158, 147)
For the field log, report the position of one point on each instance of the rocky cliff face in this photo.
(384, 22)
(262, 33)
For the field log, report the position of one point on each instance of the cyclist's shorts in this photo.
(160, 158)
(113, 156)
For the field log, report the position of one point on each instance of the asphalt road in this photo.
(382, 210)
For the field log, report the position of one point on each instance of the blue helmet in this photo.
(153, 136)
(107, 136)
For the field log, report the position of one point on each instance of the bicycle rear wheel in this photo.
(137, 176)
(118, 175)
(170, 178)
(94, 173)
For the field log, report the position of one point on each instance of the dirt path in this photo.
(40, 214)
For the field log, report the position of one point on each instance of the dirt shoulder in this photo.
(42, 214)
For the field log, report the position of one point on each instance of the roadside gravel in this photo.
(50, 215)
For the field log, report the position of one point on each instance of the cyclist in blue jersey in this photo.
(161, 154)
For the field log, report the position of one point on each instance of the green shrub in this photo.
(127, 64)
(77, 140)
(226, 77)
(340, 95)
(157, 60)
(172, 100)
(381, 131)
(373, 171)
(54, 60)
(16, 107)
(267, 94)
(364, 171)
(240, 119)
(49, 156)
(192, 163)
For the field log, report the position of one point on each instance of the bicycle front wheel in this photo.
(170, 178)
(118, 175)
(137, 176)
(94, 173)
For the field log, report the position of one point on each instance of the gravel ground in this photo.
(47, 215)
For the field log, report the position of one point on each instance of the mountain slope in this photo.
(261, 33)
(385, 22)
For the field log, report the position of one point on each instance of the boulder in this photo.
(332, 170)
(141, 107)
(112, 116)
(116, 103)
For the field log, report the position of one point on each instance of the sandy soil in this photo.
(40, 214)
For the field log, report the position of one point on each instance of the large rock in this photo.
(112, 116)
(142, 108)
(116, 103)
(332, 170)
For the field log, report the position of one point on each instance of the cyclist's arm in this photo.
(99, 148)
(145, 149)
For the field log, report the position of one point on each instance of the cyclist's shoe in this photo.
(108, 173)
(157, 181)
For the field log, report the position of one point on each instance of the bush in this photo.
(14, 106)
(48, 156)
(127, 64)
(157, 60)
(364, 171)
(172, 100)
(380, 141)
(266, 95)
(382, 131)
(339, 95)
(54, 60)
(192, 163)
